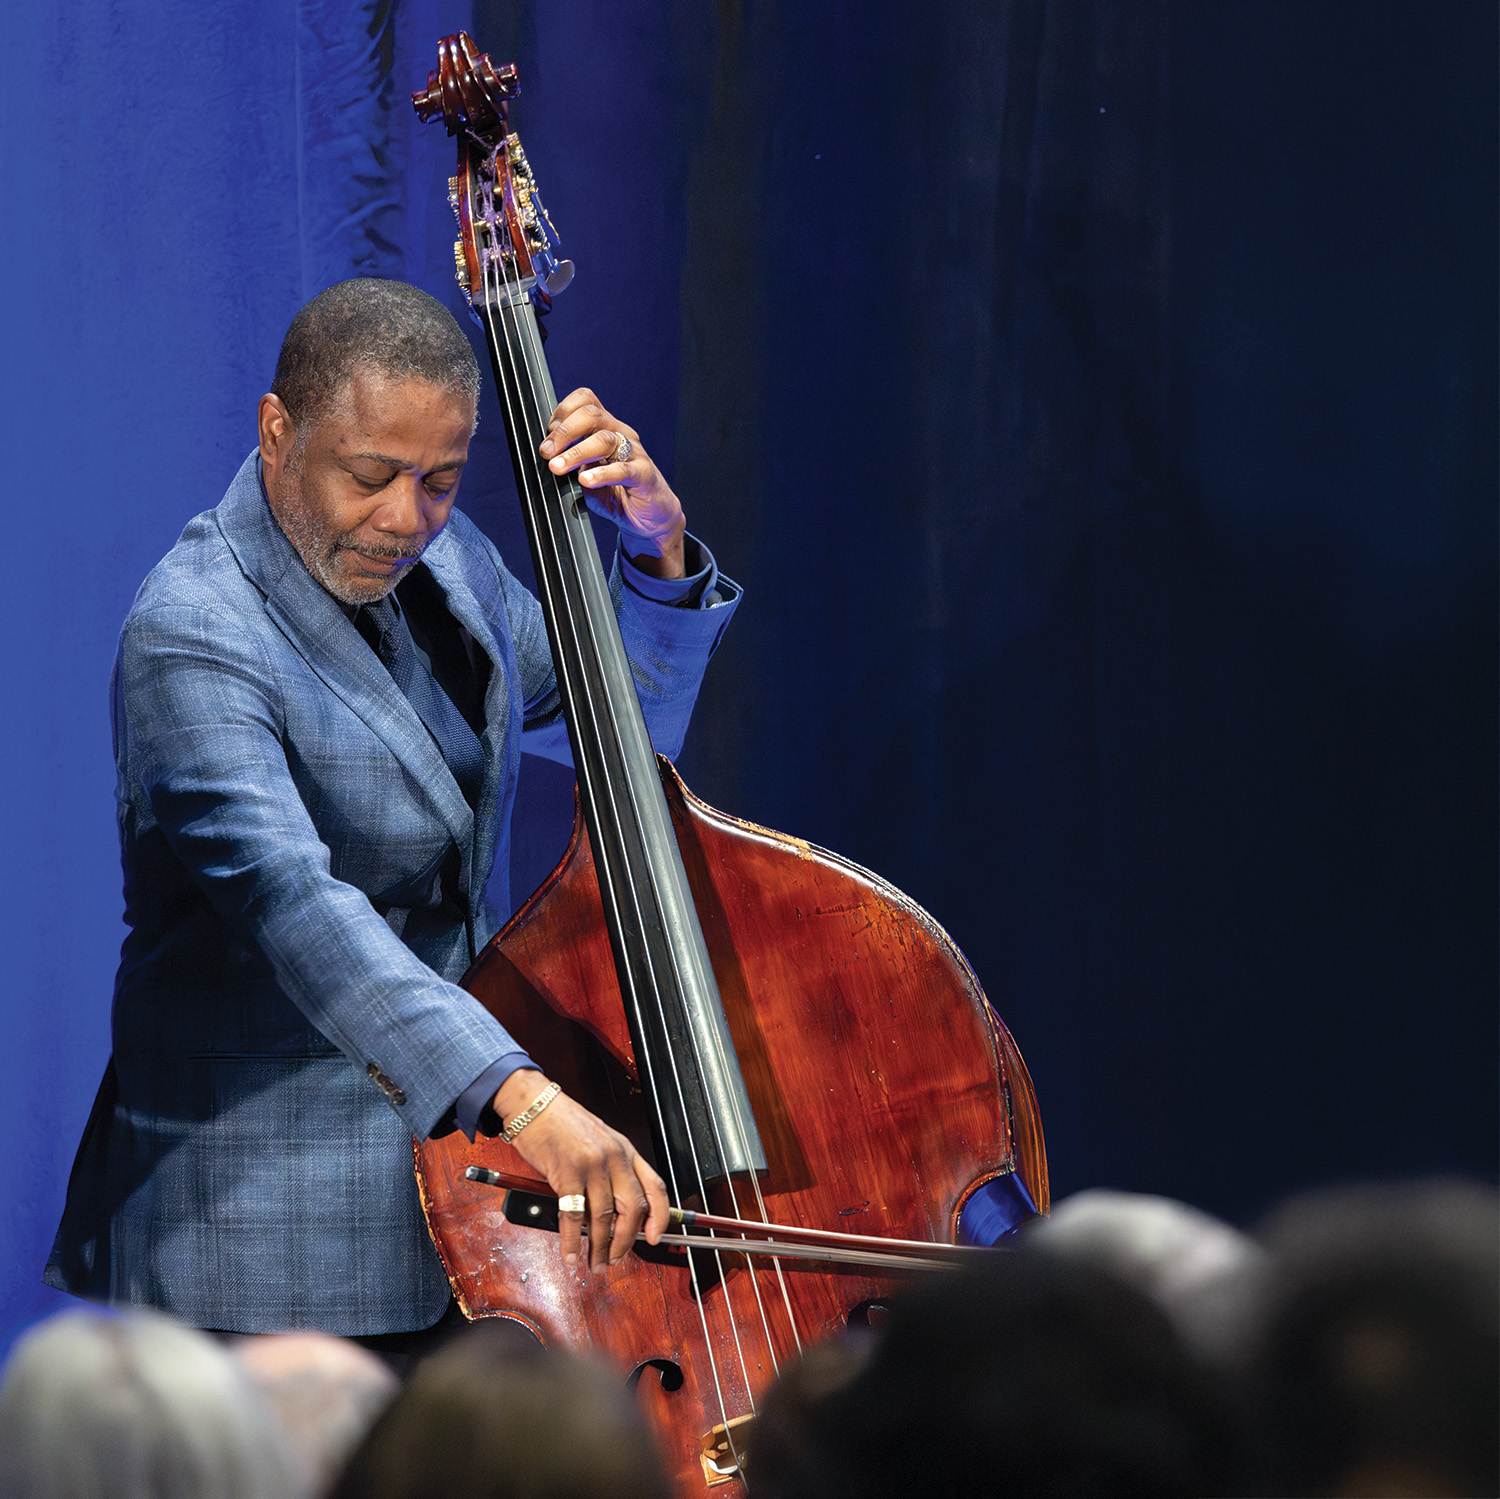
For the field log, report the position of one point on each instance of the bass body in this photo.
(886, 1089)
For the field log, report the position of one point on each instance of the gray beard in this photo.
(319, 551)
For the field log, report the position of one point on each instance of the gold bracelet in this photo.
(508, 1132)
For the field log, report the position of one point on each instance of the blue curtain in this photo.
(1096, 398)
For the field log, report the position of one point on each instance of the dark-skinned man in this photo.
(320, 701)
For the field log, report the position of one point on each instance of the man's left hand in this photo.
(632, 494)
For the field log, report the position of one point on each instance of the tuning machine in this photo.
(555, 273)
(541, 235)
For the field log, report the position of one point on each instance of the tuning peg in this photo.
(554, 274)
(461, 264)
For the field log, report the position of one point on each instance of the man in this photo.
(320, 699)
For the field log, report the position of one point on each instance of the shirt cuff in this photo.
(472, 1112)
(695, 591)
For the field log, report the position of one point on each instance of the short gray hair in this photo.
(325, 1392)
(389, 327)
(132, 1405)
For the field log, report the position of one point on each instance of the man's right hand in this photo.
(579, 1153)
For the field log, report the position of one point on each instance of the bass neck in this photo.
(685, 1058)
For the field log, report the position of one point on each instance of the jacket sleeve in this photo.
(668, 646)
(203, 737)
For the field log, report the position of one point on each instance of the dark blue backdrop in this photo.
(1096, 399)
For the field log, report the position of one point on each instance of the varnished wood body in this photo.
(883, 1084)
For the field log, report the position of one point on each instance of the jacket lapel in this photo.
(444, 561)
(321, 633)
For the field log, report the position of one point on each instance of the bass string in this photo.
(521, 319)
(583, 705)
(527, 332)
(544, 519)
(563, 610)
(560, 612)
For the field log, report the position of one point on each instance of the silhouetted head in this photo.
(132, 1405)
(493, 1415)
(1379, 1365)
(325, 1393)
(1204, 1274)
(784, 1436)
(1026, 1375)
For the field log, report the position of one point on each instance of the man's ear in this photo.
(277, 434)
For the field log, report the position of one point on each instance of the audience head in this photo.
(1379, 1358)
(325, 1393)
(132, 1405)
(1026, 1374)
(1372, 1356)
(1204, 1274)
(783, 1439)
(493, 1415)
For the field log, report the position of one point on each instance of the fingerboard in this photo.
(686, 1060)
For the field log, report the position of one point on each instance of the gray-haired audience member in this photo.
(1379, 1361)
(492, 1415)
(132, 1405)
(1027, 1375)
(1203, 1273)
(326, 1392)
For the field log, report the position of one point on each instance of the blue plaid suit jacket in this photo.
(286, 1016)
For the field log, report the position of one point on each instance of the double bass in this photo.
(799, 1049)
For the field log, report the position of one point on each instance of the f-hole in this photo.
(867, 1314)
(671, 1374)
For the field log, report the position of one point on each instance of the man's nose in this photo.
(404, 511)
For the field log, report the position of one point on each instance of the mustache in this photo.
(395, 551)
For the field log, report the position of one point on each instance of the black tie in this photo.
(382, 624)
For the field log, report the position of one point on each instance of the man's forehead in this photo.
(372, 390)
(384, 416)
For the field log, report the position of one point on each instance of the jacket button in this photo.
(386, 1086)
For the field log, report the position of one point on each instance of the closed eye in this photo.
(372, 484)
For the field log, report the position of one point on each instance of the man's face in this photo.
(370, 484)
